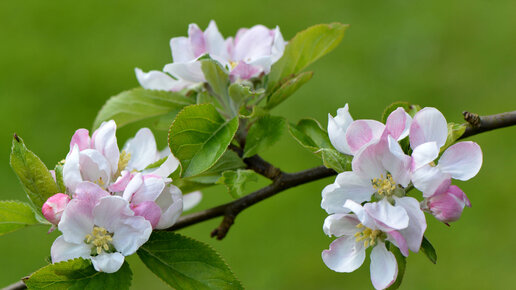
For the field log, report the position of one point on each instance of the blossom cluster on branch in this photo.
(213, 104)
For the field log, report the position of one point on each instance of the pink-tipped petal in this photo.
(122, 182)
(384, 268)
(396, 162)
(399, 241)
(363, 132)
(149, 210)
(89, 192)
(345, 255)
(447, 207)
(245, 71)
(82, 139)
(386, 216)
(76, 221)
(171, 203)
(197, 42)
(428, 125)
(54, 207)
(462, 160)
(398, 124)
(368, 161)
(428, 179)
(104, 141)
(417, 222)
(361, 214)
(150, 189)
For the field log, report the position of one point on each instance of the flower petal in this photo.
(76, 221)
(254, 43)
(157, 80)
(110, 211)
(82, 139)
(345, 255)
(151, 188)
(384, 268)
(189, 71)
(192, 199)
(363, 132)
(278, 46)
(368, 161)
(428, 125)
(149, 210)
(122, 182)
(197, 41)
(245, 71)
(143, 150)
(131, 233)
(72, 169)
(417, 222)
(398, 123)
(108, 262)
(428, 179)
(337, 128)
(399, 241)
(168, 167)
(104, 141)
(94, 166)
(340, 225)
(181, 49)
(397, 163)
(89, 192)
(171, 203)
(462, 160)
(348, 186)
(386, 216)
(424, 154)
(215, 43)
(62, 250)
(361, 214)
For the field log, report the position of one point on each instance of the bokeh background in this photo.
(61, 60)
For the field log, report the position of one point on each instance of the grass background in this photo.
(61, 60)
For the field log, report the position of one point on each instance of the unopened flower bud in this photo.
(54, 206)
(447, 206)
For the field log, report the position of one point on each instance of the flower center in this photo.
(367, 235)
(100, 240)
(125, 157)
(233, 64)
(384, 186)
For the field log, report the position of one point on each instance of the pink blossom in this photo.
(447, 203)
(54, 206)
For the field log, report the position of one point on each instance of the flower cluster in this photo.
(112, 201)
(369, 206)
(250, 54)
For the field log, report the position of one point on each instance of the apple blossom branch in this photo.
(281, 181)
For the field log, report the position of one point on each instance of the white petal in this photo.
(94, 166)
(337, 128)
(72, 169)
(215, 43)
(171, 203)
(428, 125)
(157, 80)
(110, 211)
(397, 162)
(345, 255)
(348, 186)
(368, 161)
(278, 46)
(150, 190)
(89, 192)
(133, 186)
(254, 43)
(399, 241)
(340, 225)
(168, 167)
(192, 199)
(424, 154)
(143, 150)
(428, 179)
(181, 49)
(387, 216)
(462, 160)
(104, 141)
(108, 263)
(188, 71)
(384, 268)
(76, 221)
(131, 233)
(417, 223)
(62, 250)
(361, 214)
(363, 132)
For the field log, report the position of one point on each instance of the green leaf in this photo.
(402, 264)
(409, 108)
(428, 250)
(263, 134)
(218, 80)
(239, 94)
(138, 104)
(59, 178)
(34, 176)
(306, 47)
(15, 215)
(184, 263)
(78, 274)
(455, 131)
(287, 88)
(311, 135)
(235, 181)
(199, 136)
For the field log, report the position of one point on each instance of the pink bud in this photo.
(447, 206)
(54, 206)
(149, 210)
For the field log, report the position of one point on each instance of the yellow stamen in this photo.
(368, 235)
(100, 239)
(125, 157)
(384, 186)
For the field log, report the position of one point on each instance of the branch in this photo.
(16, 286)
(282, 181)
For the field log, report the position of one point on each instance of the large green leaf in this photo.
(185, 263)
(263, 134)
(78, 274)
(138, 104)
(311, 135)
(236, 180)
(199, 136)
(32, 173)
(287, 88)
(428, 250)
(305, 48)
(15, 215)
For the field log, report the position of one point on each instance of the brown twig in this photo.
(478, 124)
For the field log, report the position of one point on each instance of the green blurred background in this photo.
(61, 60)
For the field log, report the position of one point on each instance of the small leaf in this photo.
(199, 136)
(263, 134)
(36, 179)
(306, 47)
(455, 131)
(428, 250)
(138, 104)
(235, 181)
(78, 274)
(402, 264)
(184, 263)
(335, 160)
(409, 108)
(15, 215)
(287, 88)
(239, 94)
(218, 80)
